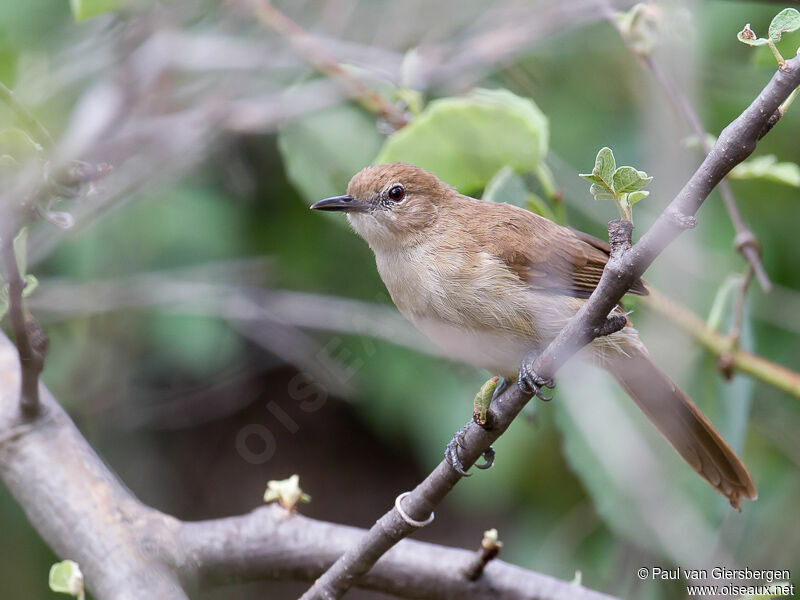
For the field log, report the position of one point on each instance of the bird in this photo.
(490, 282)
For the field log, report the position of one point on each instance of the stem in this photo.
(774, 49)
(312, 51)
(740, 360)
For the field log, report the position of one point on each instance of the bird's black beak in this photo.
(344, 203)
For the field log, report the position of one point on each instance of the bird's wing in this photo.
(547, 256)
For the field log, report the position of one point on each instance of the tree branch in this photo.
(736, 142)
(128, 550)
(267, 543)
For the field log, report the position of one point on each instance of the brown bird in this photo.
(489, 282)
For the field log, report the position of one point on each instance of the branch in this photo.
(76, 504)
(315, 55)
(268, 543)
(736, 142)
(128, 550)
(737, 359)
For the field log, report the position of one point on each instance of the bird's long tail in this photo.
(681, 422)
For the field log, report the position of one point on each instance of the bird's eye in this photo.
(397, 193)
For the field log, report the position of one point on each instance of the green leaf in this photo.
(86, 9)
(628, 179)
(601, 192)
(508, 187)
(465, 141)
(748, 36)
(602, 175)
(604, 166)
(591, 178)
(324, 149)
(768, 168)
(786, 21)
(66, 577)
(635, 197)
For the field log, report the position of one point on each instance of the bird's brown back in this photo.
(545, 255)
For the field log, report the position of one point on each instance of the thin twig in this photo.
(311, 51)
(490, 548)
(746, 243)
(736, 142)
(725, 362)
(740, 360)
(30, 338)
(745, 240)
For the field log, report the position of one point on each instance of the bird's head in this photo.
(392, 204)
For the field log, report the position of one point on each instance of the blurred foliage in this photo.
(465, 141)
(558, 493)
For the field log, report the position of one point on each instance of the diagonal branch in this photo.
(736, 142)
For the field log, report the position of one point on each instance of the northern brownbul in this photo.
(489, 282)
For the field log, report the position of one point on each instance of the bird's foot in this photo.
(531, 382)
(451, 452)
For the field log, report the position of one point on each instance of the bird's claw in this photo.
(451, 453)
(488, 457)
(532, 383)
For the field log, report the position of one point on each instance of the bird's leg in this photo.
(480, 416)
(451, 452)
(530, 381)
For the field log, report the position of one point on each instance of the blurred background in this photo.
(209, 333)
